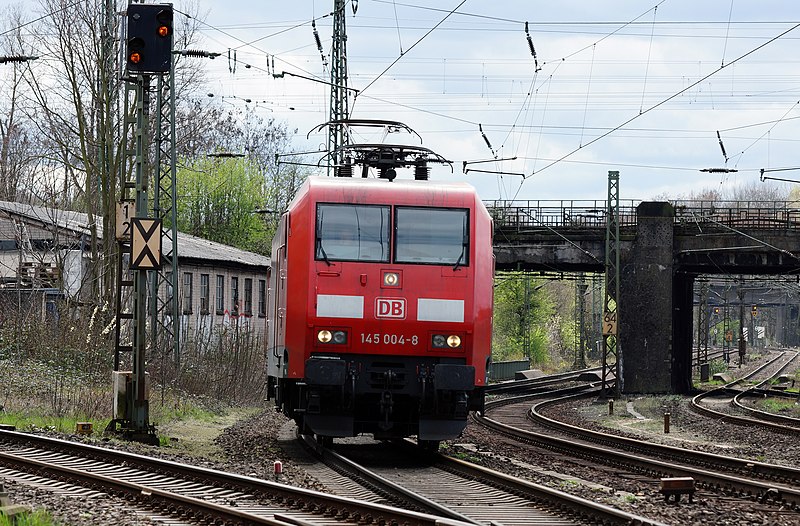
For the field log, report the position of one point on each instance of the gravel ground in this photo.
(251, 445)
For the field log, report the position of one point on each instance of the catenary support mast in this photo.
(339, 108)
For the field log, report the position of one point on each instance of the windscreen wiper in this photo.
(460, 257)
(322, 251)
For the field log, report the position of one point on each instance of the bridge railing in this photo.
(536, 214)
(769, 215)
(556, 214)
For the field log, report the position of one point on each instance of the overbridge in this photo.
(663, 248)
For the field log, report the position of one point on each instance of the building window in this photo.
(248, 296)
(187, 292)
(205, 293)
(235, 295)
(262, 297)
(220, 294)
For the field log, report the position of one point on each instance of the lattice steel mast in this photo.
(164, 307)
(339, 110)
(611, 354)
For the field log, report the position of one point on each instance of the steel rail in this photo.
(553, 498)
(583, 507)
(784, 423)
(382, 484)
(293, 497)
(774, 420)
(599, 451)
(153, 498)
(542, 381)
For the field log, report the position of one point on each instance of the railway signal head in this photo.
(755, 310)
(149, 40)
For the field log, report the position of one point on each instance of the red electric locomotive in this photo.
(380, 308)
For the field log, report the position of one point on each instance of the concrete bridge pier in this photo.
(655, 313)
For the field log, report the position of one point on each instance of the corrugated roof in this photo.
(189, 246)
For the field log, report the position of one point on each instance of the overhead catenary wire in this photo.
(674, 95)
(395, 61)
(486, 125)
(649, 51)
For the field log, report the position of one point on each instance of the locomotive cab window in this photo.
(438, 236)
(352, 233)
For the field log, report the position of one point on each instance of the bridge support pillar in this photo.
(655, 308)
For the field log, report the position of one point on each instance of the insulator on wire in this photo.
(486, 140)
(194, 53)
(421, 172)
(319, 44)
(530, 46)
(316, 36)
(722, 147)
(232, 61)
(343, 170)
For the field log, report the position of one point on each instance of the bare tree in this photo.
(77, 89)
(18, 149)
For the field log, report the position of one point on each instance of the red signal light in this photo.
(135, 58)
(163, 31)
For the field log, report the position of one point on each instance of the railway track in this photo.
(543, 383)
(765, 482)
(188, 494)
(464, 491)
(729, 395)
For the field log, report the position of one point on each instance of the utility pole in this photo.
(339, 108)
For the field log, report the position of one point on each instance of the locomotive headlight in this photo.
(332, 336)
(441, 341)
(391, 279)
(339, 337)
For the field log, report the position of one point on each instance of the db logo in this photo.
(390, 308)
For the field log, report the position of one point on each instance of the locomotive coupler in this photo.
(386, 410)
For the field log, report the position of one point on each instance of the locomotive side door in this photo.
(276, 338)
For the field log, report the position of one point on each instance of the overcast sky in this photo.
(638, 87)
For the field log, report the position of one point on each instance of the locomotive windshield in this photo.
(352, 233)
(432, 235)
